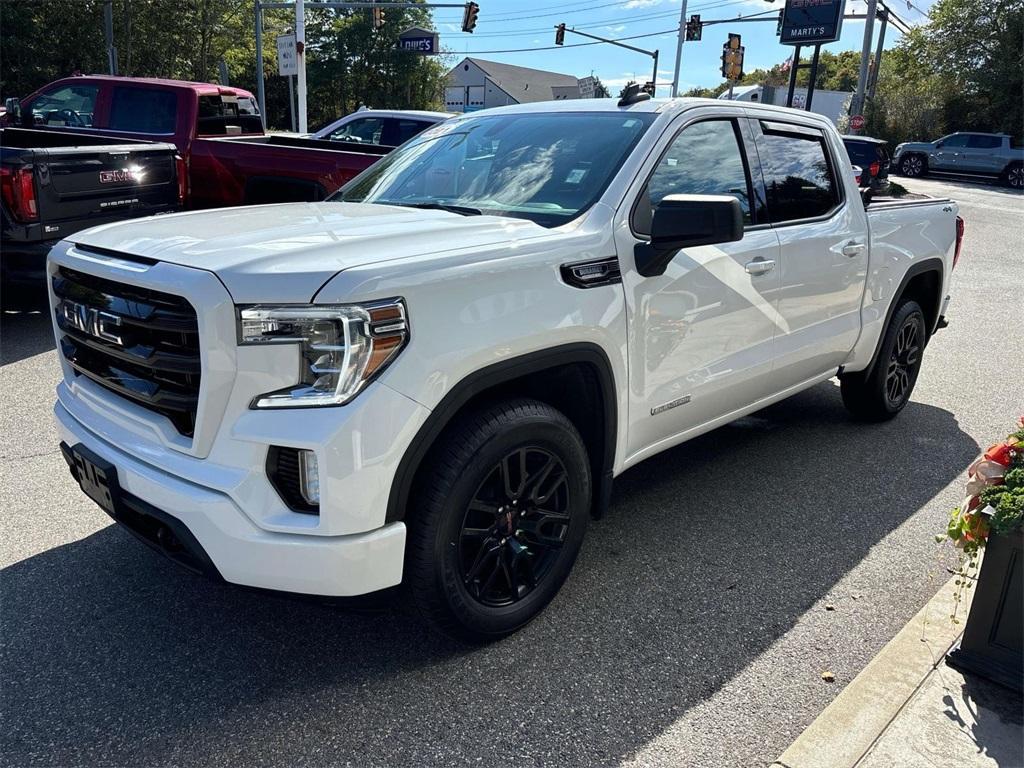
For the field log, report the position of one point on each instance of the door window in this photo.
(143, 110)
(957, 140)
(70, 105)
(704, 159)
(984, 142)
(365, 130)
(403, 130)
(798, 176)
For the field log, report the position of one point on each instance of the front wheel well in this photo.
(580, 385)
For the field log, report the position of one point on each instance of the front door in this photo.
(700, 335)
(946, 156)
(981, 154)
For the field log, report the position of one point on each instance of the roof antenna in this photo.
(632, 94)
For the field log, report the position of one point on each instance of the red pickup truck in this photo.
(229, 160)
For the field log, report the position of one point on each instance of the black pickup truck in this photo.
(53, 184)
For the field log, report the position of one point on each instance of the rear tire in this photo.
(1013, 176)
(913, 166)
(883, 391)
(497, 520)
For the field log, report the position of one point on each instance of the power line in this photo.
(561, 47)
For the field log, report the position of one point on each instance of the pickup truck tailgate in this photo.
(87, 182)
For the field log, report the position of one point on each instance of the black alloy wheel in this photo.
(884, 390)
(903, 363)
(514, 526)
(1015, 177)
(496, 518)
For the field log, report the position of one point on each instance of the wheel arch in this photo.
(587, 397)
(923, 283)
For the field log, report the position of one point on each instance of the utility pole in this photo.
(857, 105)
(679, 50)
(108, 32)
(300, 57)
(884, 16)
(260, 97)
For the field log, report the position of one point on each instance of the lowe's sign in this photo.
(812, 22)
(418, 40)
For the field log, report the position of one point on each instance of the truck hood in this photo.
(301, 245)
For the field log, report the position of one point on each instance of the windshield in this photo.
(547, 167)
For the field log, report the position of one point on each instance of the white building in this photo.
(478, 84)
(831, 104)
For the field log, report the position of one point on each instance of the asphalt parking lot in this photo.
(693, 631)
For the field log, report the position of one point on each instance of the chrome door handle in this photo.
(853, 249)
(759, 266)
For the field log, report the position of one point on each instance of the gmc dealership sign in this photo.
(812, 22)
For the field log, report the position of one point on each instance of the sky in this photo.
(504, 26)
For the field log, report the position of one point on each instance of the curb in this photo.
(847, 728)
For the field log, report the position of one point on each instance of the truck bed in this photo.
(245, 170)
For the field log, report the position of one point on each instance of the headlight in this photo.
(342, 346)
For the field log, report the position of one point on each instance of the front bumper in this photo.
(226, 541)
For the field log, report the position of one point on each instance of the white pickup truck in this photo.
(434, 377)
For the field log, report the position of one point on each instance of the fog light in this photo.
(309, 477)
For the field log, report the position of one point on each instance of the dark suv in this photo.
(872, 156)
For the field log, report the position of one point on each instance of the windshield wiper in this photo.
(465, 210)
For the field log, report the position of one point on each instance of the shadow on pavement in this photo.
(710, 553)
(24, 334)
(993, 719)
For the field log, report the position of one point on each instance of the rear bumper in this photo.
(212, 535)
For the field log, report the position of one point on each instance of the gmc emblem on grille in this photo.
(110, 177)
(92, 321)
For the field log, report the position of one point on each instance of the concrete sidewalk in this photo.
(908, 709)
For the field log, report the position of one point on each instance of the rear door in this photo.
(823, 256)
(981, 155)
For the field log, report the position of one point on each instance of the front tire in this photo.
(913, 166)
(884, 391)
(498, 519)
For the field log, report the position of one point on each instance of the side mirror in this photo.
(938, 144)
(685, 221)
(13, 107)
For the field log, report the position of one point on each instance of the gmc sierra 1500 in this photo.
(434, 376)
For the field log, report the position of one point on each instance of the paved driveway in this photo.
(693, 631)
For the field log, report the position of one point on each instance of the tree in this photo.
(963, 70)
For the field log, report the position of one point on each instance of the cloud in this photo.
(617, 28)
(641, 4)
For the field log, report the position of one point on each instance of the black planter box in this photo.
(992, 645)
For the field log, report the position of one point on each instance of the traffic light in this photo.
(378, 17)
(560, 34)
(732, 59)
(469, 17)
(693, 28)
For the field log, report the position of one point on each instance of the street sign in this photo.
(857, 123)
(588, 86)
(811, 22)
(287, 61)
(422, 41)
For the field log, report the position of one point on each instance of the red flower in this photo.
(1000, 453)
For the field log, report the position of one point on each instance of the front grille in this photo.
(144, 346)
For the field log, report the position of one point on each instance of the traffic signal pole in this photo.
(652, 54)
(857, 104)
(679, 50)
